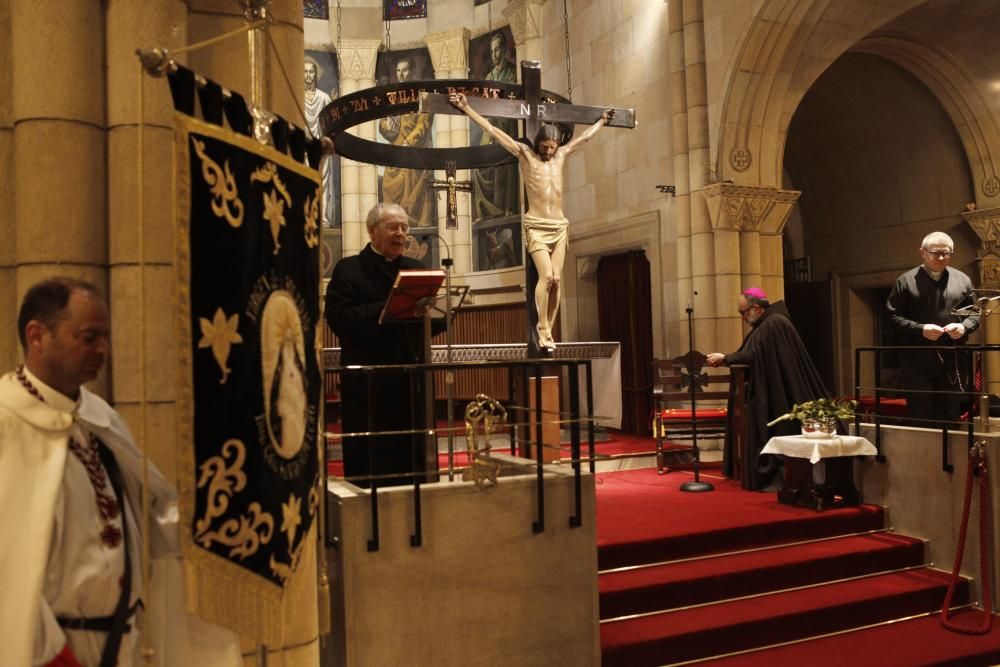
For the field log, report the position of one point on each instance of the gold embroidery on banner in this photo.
(223, 481)
(274, 209)
(285, 570)
(314, 497)
(222, 185)
(274, 212)
(220, 334)
(290, 517)
(311, 209)
(269, 174)
(244, 535)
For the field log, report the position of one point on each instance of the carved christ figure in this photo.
(545, 225)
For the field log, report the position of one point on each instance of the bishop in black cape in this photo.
(781, 374)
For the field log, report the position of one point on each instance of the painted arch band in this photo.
(401, 98)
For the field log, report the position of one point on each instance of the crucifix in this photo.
(451, 185)
(544, 224)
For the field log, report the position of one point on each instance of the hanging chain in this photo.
(388, 37)
(340, 53)
(569, 70)
(489, 17)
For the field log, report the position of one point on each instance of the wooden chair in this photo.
(679, 385)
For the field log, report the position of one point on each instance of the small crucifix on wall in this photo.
(451, 186)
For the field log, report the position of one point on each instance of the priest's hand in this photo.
(956, 330)
(932, 331)
(716, 359)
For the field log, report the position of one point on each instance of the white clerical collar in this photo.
(56, 399)
(378, 253)
(935, 275)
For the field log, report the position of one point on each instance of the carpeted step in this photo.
(734, 625)
(663, 523)
(917, 642)
(707, 579)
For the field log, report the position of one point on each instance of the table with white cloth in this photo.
(819, 472)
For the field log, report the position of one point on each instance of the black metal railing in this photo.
(971, 388)
(523, 434)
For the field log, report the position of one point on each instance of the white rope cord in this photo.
(147, 649)
(215, 40)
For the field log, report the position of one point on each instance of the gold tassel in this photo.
(324, 600)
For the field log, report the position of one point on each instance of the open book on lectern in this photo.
(412, 286)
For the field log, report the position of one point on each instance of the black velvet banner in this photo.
(248, 265)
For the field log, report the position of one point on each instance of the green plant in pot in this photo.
(819, 417)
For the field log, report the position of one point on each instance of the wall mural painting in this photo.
(495, 190)
(497, 244)
(423, 247)
(316, 9)
(321, 85)
(331, 249)
(394, 10)
(407, 187)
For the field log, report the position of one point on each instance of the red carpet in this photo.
(645, 518)
(707, 579)
(720, 597)
(919, 641)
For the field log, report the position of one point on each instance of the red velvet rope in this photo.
(977, 468)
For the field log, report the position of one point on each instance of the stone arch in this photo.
(954, 88)
(786, 47)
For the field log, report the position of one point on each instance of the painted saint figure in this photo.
(408, 187)
(544, 223)
(495, 192)
(316, 101)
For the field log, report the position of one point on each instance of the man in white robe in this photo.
(67, 461)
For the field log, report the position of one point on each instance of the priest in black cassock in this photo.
(354, 300)
(781, 374)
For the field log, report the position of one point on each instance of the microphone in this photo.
(446, 261)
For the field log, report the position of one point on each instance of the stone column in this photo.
(747, 222)
(711, 301)
(143, 350)
(986, 224)
(679, 126)
(10, 349)
(450, 56)
(358, 181)
(57, 111)
(525, 19)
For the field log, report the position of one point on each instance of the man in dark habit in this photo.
(920, 309)
(781, 374)
(354, 300)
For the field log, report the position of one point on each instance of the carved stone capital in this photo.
(357, 59)
(986, 223)
(749, 208)
(989, 270)
(449, 50)
(525, 18)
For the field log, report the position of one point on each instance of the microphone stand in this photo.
(696, 486)
(449, 375)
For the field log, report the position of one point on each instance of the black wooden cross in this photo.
(451, 185)
(532, 110)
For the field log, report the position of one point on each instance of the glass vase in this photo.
(819, 427)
